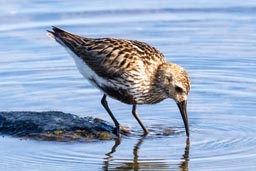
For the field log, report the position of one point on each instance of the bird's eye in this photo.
(179, 89)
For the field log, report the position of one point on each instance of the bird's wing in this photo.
(109, 57)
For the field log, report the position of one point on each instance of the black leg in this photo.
(135, 114)
(105, 105)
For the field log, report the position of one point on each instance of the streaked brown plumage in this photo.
(130, 71)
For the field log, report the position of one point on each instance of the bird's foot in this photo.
(125, 131)
(121, 130)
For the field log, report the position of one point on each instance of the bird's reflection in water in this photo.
(136, 164)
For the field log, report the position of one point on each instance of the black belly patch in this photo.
(116, 93)
(119, 94)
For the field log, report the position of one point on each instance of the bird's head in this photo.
(174, 82)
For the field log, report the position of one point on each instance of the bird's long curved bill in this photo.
(183, 111)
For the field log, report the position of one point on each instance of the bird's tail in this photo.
(65, 38)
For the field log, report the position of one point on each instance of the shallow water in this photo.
(214, 41)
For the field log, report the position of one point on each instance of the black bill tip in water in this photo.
(183, 111)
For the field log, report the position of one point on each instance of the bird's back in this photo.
(128, 66)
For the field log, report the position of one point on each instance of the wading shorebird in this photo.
(130, 71)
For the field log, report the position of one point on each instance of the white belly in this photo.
(87, 72)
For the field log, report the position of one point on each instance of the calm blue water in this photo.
(214, 41)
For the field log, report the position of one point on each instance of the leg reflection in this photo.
(129, 165)
(109, 155)
(138, 162)
(136, 148)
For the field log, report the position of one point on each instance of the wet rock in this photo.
(55, 126)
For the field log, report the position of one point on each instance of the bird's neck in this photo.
(157, 84)
(160, 75)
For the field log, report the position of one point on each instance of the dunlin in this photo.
(130, 71)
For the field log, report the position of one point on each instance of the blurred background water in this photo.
(214, 41)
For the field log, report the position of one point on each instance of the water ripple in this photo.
(214, 41)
